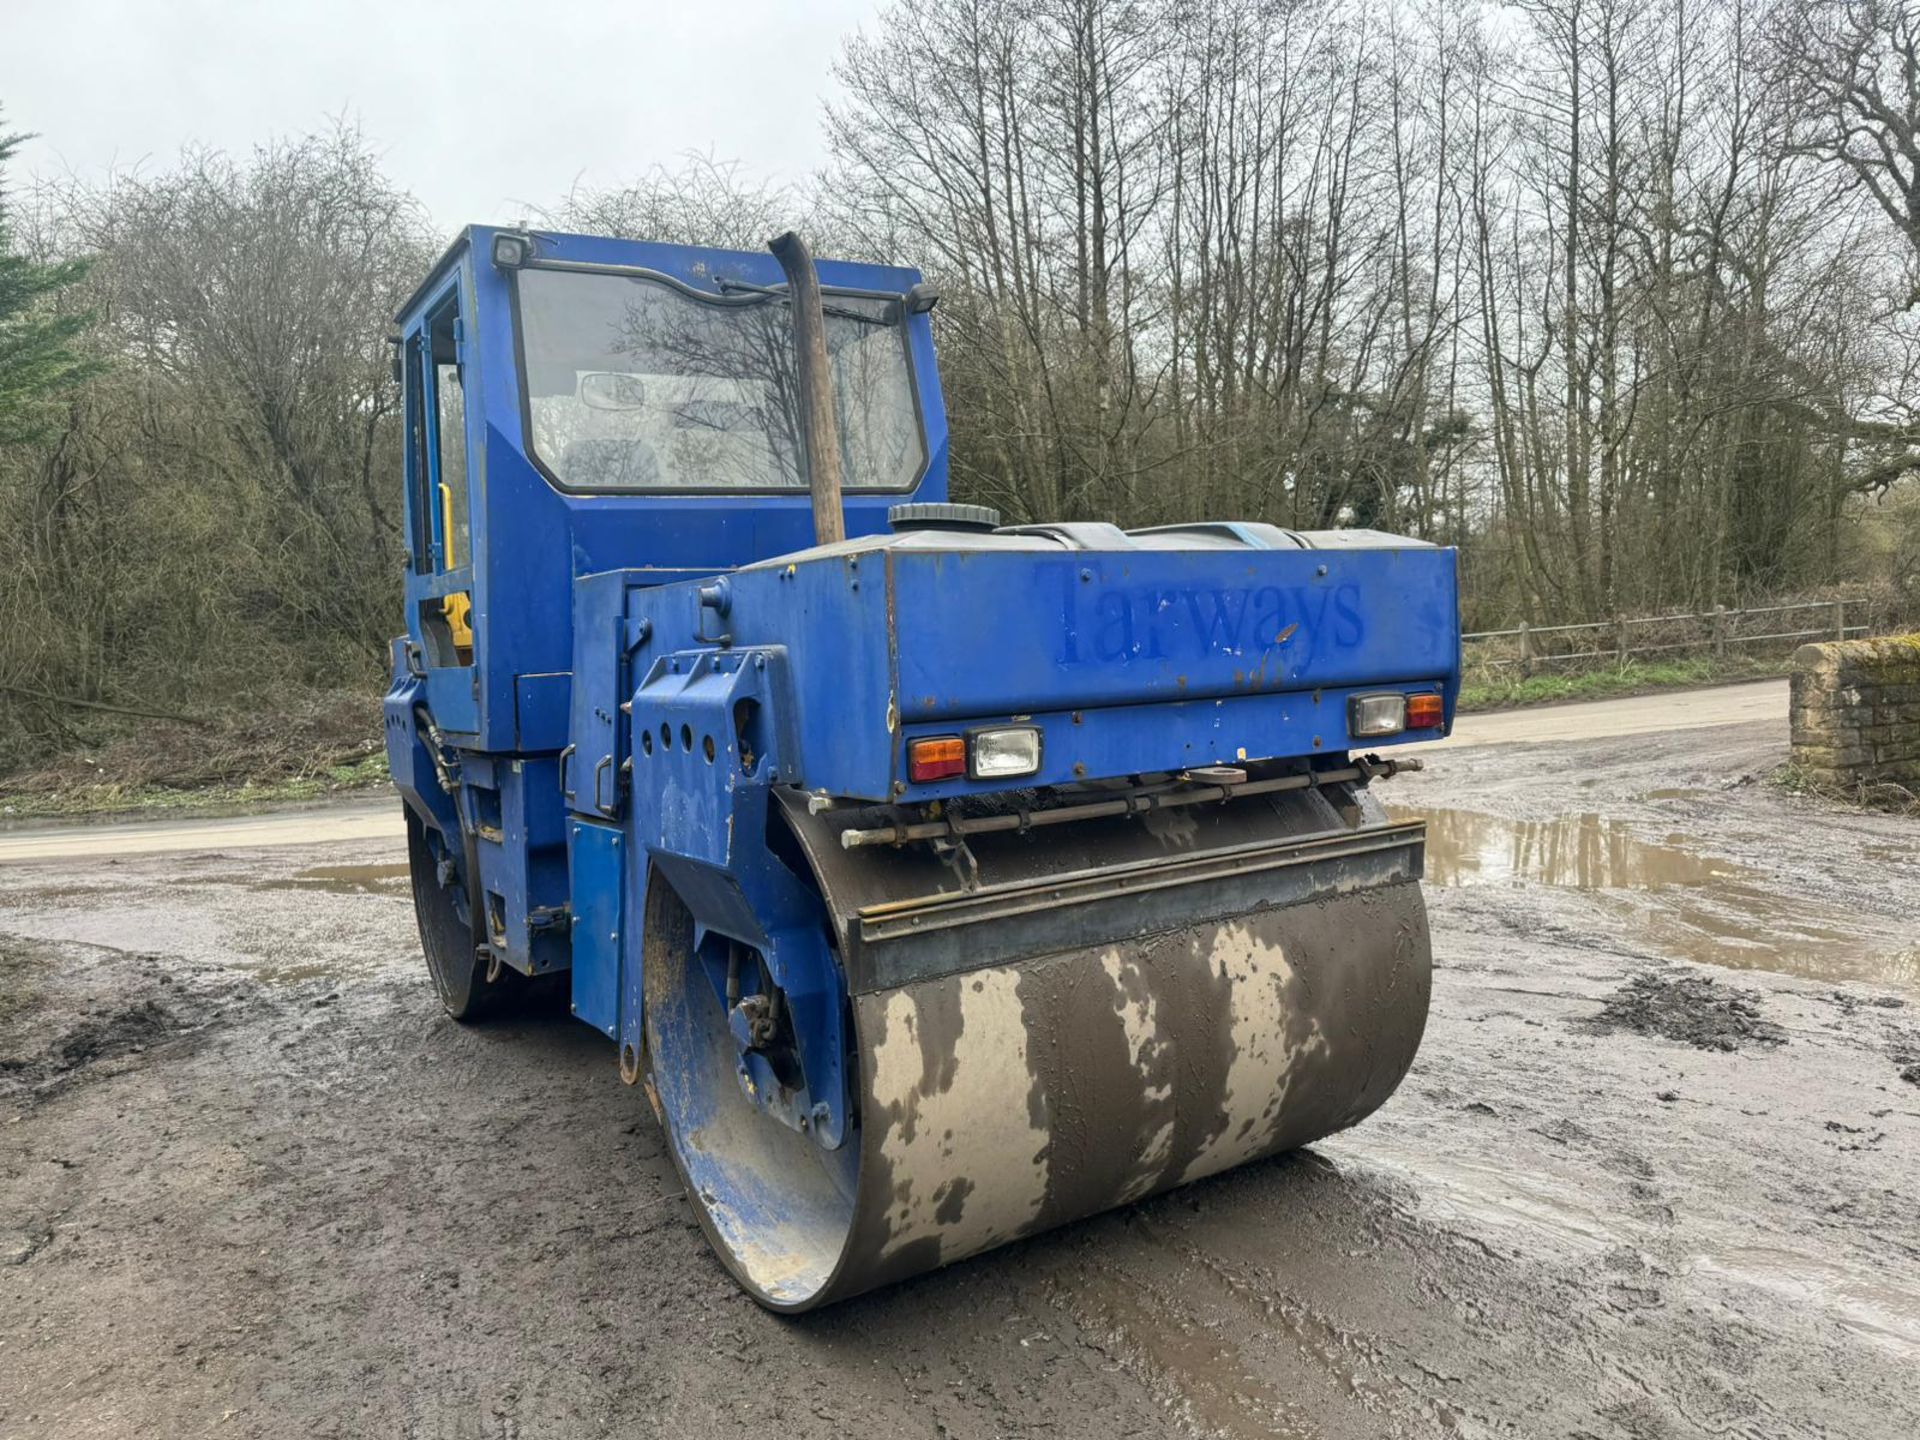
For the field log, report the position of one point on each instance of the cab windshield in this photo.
(636, 384)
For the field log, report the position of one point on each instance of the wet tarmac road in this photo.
(1656, 1172)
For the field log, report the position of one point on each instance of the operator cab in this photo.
(629, 406)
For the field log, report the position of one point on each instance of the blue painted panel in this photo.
(451, 700)
(599, 856)
(599, 688)
(540, 711)
(526, 866)
(407, 758)
(708, 737)
(966, 637)
(829, 616)
(981, 632)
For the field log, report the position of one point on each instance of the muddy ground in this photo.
(1656, 1172)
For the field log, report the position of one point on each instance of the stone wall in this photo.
(1856, 711)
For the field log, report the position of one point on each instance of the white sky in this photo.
(478, 108)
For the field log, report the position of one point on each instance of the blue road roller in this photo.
(940, 880)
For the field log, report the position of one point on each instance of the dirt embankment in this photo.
(305, 745)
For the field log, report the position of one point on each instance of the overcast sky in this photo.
(477, 107)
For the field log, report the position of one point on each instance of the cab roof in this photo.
(699, 267)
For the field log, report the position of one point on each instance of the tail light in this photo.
(1426, 712)
(941, 757)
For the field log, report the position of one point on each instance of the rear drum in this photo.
(454, 962)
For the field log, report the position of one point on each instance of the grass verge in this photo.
(161, 801)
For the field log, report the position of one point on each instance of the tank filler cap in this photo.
(943, 516)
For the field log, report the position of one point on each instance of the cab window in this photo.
(447, 439)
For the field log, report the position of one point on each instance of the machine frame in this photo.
(641, 733)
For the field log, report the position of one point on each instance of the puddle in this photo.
(53, 894)
(1743, 928)
(344, 880)
(1580, 852)
(1691, 906)
(1865, 1304)
(1527, 1209)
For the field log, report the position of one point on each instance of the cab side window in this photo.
(449, 439)
(420, 510)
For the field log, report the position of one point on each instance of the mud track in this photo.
(1654, 1174)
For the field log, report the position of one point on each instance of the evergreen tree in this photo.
(38, 355)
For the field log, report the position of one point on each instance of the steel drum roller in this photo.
(1247, 980)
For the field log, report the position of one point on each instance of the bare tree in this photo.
(702, 202)
(1621, 297)
(225, 492)
(1849, 75)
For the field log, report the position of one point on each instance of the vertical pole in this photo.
(818, 423)
(1620, 642)
(1526, 650)
(1719, 632)
(1839, 619)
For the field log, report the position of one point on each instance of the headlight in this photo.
(1003, 754)
(1371, 715)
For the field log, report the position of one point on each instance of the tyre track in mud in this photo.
(307, 1204)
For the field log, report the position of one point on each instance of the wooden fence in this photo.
(1717, 632)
